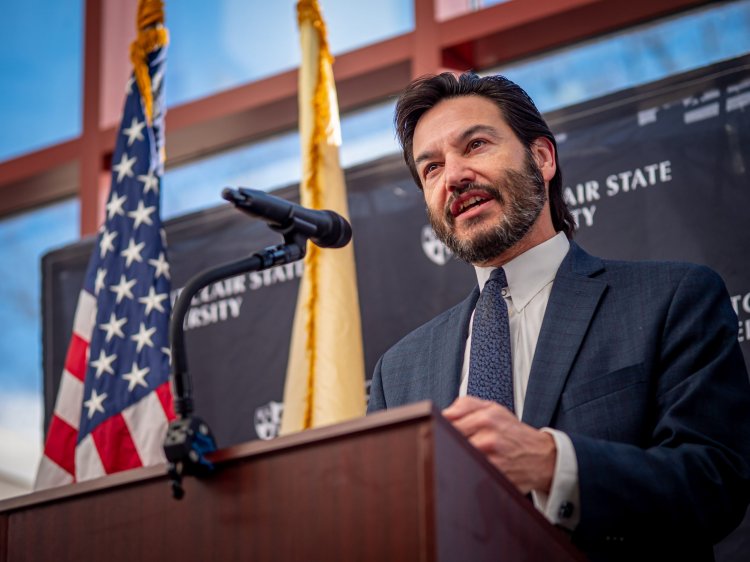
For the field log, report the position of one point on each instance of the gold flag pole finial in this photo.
(151, 35)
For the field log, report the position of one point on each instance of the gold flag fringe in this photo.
(151, 36)
(309, 11)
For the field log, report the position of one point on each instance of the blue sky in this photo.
(41, 102)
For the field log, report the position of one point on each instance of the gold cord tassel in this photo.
(151, 36)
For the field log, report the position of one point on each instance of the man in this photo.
(625, 409)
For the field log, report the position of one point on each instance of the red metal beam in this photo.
(91, 189)
(426, 58)
(42, 161)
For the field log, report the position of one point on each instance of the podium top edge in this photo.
(405, 414)
(376, 420)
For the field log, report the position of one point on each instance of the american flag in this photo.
(114, 400)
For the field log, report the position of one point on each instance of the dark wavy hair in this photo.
(515, 105)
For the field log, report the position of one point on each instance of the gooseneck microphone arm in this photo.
(277, 255)
(188, 437)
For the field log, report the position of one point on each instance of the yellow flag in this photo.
(325, 373)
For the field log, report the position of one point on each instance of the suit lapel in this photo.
(447, 346)
(572, 303)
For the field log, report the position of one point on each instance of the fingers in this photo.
(524, 454)
(470, 415)
(464, 405)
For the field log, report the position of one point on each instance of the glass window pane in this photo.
(636, 56)
(41, 58)
(447, 9)
(367, 134)
(23, 240)
(219, 45)
(270, 163)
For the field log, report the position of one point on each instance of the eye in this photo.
(429, 168)
(476, 143)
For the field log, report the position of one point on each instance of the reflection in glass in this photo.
(219, 45)
(273, 162)
(636, 56)
(447, 9)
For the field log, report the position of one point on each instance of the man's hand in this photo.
(526, 456)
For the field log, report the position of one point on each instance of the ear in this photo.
(543, 152)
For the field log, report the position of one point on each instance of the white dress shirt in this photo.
(530, 277)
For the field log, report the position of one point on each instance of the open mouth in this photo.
(467, 202)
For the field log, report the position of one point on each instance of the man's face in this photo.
(483, 189)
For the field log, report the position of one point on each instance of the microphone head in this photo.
(229, 194)
(339, 234)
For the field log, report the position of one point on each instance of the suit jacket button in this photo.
(566, 510)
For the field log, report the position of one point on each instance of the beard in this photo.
(522, 197)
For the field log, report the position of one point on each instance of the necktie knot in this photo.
(498, 276)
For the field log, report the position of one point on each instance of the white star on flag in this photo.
(122, 289)
(161, 265)
(125, 167)
(114, 207)
(101, 275)
(104, 363)
(150, 182)
(142, 214)
(143, 337)
(153, 300)
(136, 377)
(135, 131)
(107, 242)
(132, 252)
(113, 327)
(94, 404)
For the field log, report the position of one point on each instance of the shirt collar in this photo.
(530, 272)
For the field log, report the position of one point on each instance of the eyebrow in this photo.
(463, 137)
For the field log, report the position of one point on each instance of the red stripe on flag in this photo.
(61, 444)
(164, 393)
(115, 445)
(75, 361)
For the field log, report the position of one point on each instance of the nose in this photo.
(457, 173)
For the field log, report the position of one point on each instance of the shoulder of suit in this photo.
(449, 320)
(669, 272)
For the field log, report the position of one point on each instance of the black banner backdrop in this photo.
(656, 172)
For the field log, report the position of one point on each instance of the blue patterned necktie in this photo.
(490, 367)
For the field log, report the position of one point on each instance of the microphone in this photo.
(325, 228)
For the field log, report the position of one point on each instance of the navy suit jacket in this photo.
(638, 362)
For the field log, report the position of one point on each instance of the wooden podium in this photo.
(398, 485)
